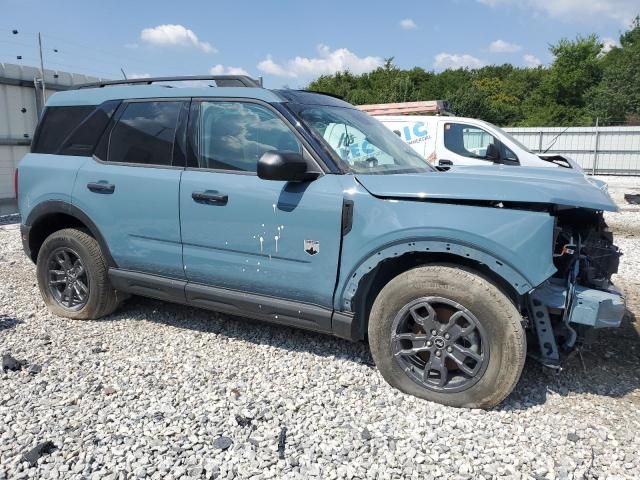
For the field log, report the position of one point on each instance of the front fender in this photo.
(515, 244)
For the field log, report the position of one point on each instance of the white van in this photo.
(448, 141)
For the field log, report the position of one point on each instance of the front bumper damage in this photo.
(559, 314)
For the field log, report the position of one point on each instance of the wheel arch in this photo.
(377, 269)
(53, 215)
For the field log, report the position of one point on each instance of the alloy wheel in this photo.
(67, 279)
(440, 344)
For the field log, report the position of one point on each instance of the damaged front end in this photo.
(580, 296)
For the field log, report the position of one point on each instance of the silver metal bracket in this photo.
(539, 314)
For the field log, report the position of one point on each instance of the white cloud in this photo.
(170, 35)
(609, 43)
(222, 70)
(328, 62)
(531, 60)
(269, 66)
(622, 11)
(501, 46)
(408, 24)
(444, 61)
(138, 75)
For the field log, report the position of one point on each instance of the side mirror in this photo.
(492, 153)
(285, 166)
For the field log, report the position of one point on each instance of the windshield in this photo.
(512, 139)
(361, 143)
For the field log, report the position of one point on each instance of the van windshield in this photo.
(512, 138)
(361, 143)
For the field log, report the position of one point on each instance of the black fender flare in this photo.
(508, 273)
(51, 207)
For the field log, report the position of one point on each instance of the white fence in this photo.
(599, 150)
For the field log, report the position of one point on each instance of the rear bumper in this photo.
(25, 230)
(597, 308)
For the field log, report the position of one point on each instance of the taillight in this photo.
(15, 183)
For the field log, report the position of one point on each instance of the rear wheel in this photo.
(72, 276)
(447, 335)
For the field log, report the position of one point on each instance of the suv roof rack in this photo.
(221, 81)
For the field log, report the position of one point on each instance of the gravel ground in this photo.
(164, 391)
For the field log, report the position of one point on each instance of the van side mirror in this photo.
(492, 153)
(285, 166)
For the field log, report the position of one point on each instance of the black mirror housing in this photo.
(285, 166)
(492, 153)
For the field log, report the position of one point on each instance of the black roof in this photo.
(312, 98)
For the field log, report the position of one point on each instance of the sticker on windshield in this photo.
(312, 247)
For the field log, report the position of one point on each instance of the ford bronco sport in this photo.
(231, 197)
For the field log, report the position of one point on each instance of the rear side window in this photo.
(56, 125)
(83, 140)
(145, 133)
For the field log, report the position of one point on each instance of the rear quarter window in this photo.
(73, 130)
(56, 125)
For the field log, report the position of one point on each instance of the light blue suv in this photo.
(244, 200)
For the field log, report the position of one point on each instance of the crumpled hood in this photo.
(559, 186)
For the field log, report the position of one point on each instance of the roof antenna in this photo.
(261, 81)
(123, 74)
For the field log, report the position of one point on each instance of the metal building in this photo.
(20, 107)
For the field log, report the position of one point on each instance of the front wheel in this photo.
(447, 335)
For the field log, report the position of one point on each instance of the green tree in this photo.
(616, 98)
(582, 83)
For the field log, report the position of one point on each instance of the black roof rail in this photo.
(221, 81)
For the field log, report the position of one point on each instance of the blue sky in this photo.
(290, 42)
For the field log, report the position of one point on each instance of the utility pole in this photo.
(44, 98)
(595, 149)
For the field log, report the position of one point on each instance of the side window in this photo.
(82, 141)
(467, 140)
(56, 125)
(234, 135)
(145, 133)
(509, 155)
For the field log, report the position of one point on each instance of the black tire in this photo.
(499, 328)
(101, 299)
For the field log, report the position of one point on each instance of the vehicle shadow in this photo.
(608, 367)
(241, 328)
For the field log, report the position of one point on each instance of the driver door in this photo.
(466, 144)
(239, 232)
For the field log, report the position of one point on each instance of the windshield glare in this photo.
(361, 143)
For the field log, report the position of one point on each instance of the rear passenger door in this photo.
(239, 232)
(130, 187)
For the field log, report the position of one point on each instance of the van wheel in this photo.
(72, 276)
(447, 335)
